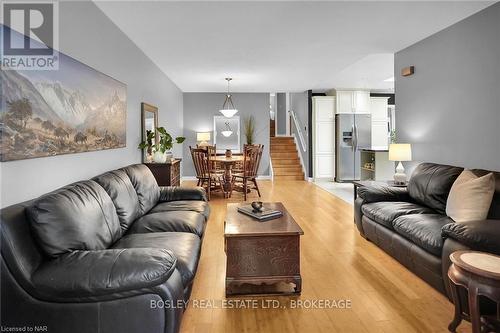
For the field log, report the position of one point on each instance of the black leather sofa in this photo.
(411, 225)
(113, 254)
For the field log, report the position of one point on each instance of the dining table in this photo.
(227, 164)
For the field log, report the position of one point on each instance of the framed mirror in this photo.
(149, 122)
(227, 133)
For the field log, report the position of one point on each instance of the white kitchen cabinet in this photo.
(380, 121)
(361, 101)
(380, 134)
(353, 101)
(344, 102)
(379, 107)
(324, 136)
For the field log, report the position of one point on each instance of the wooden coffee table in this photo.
(261, 253)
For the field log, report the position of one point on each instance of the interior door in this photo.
(324, 137)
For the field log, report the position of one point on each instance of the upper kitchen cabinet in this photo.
(362, 102)
(353, 101)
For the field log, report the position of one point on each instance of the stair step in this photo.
(284, 155)
(278, 162)
(288, 171)
(295, 166)
(283, 148)
(281, 145)
(288, 177)
(282, 138)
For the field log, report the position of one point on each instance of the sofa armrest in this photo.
(113, 273)
(379, 193)
(478, 235)
(175, 193)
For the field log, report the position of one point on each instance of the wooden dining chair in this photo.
(251, 160)
(204, 170)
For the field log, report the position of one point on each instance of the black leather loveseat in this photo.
(411, 224)
(113, 254)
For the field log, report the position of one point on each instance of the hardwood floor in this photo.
(336, 263)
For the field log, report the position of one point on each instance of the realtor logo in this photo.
(29, 35)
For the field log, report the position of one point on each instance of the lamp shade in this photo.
(400, 152)
(203, 136)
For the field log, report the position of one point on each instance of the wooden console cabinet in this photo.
(166, 174)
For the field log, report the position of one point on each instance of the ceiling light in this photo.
(391, 79)
(228, 109)
(228, 131)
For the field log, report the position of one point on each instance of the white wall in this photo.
(449, 110)
(90, 37)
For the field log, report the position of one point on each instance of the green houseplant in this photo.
(164, 142)
(249, 130)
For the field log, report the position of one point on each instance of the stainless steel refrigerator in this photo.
(352, 132)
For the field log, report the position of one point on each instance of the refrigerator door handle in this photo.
(356, 129)
(353, 137)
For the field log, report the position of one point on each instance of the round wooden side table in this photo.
(479, 274)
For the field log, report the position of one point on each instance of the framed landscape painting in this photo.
(70, 110)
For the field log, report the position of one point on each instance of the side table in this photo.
(166, 174)
(479, 274)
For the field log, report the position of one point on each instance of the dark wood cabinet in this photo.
(166, 174)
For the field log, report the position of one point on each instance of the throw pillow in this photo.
(470, 197)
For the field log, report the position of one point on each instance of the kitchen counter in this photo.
(375, 149)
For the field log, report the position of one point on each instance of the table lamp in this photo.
(400, 152)
(203, 137)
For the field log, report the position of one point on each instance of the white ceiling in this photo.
(281, 46)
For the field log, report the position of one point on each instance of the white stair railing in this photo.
(298, 127)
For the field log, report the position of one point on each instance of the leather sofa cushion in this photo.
(430, 184)
(386, 212)
(201, 207)
(80, 216)
(175, 193)
(494, 213)
(145, 185)
(378, 193)
(423, 230)
(185, 247)
(173, 221)
(119, 187)
(478, 235)
(82, 275)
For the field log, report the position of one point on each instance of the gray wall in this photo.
(199, 109)
(449, 110)
(299, 104)
(89, 36)
(281, 113)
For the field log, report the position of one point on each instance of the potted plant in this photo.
(161, 149)
(249, 130)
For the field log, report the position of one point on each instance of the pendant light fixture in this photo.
(228, 109)
(228, 131)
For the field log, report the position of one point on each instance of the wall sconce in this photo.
(407, 71)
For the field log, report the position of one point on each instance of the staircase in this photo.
(285, 159)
